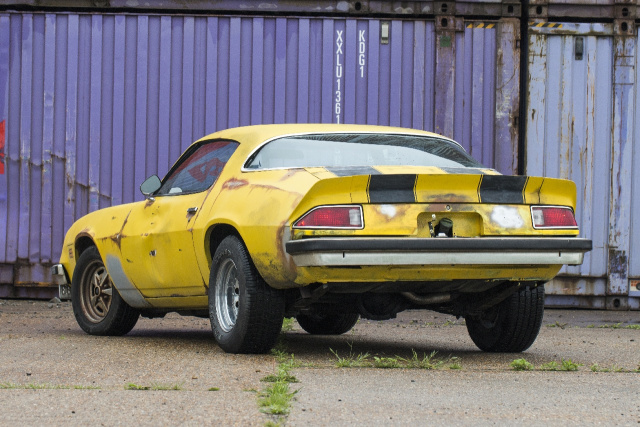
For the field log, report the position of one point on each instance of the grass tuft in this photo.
(34, 386)
(613, 326)
(275, 399)
(283, 375)
(287, 324)
(386, 362)
(521, 365)
(455, 363)
(132, 386)
(159, 386)
(352, 360)
(569, 365)
(550, 366)
(427, 362)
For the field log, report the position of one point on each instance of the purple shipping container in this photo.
(582, 112)
(92, 104)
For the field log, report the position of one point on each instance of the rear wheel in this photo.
(98, 307)
(511, 326)
(246, 313)
(327, 323)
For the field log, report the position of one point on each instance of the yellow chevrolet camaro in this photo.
(324, 223)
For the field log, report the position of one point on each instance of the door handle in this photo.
(192, 210)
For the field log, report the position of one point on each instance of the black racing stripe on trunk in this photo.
(353, 170)
(392, 188)
(502, 189)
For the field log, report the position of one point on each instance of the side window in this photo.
(200, 169)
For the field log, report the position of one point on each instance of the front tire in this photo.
(327, 323)
(246, 313)
(511, 326)
(97, 306)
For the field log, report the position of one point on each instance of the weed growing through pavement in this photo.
(426, 362)
(351, 361)
(569, 365)
(636, 327)
(386, 362)
(213, 389)
(365, 360)
(613, 368)
(133, 386)
(276, 398)
(283, 375)
(550, 366)
(33, 386)
(521, 365)
(287, 324)
(455, 363)
(613, 326)
(557, 325)
(160, 386)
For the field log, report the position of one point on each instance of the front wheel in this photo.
(246, 313)
(512, 325)
(97, 306)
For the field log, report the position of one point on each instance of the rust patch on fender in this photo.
(150, 201)
(233, 183)
(117, 238)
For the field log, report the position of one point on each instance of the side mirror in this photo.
(150, 185)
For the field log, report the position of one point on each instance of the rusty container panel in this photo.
(92, 104)
(581, 89)
(634, 205)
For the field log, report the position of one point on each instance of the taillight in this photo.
(332, 217)
(553, 217)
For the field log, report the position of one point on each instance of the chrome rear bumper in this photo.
(338, 252)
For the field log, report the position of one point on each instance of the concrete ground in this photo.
(52, 373)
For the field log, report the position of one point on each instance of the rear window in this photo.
(349, 150)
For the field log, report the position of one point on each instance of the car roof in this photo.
(253, 136)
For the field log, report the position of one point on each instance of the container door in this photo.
(579, 127)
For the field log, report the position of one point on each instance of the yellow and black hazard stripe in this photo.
(486, 25)
(502, 189)
(545, 24)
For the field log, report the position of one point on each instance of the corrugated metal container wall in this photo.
(634, 205)
(580, 127)
(97, 102)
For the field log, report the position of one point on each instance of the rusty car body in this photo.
(325, 223)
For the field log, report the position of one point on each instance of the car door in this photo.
(157, 242)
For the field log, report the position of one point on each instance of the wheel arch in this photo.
(82, 243)
(216, 233)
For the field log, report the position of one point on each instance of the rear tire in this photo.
(327, 323)
(246, 313)
(97, 306)
(511, 326)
